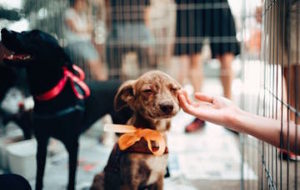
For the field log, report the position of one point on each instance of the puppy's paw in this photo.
(98, 182)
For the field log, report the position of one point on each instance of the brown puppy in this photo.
(153, 99)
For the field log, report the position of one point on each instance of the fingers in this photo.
(202, 111)
(185, 104)
(204, 97)
(183, 101)
(185, 94)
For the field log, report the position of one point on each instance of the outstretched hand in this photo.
(214, 109)
(222, 111)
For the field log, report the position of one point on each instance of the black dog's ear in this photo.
(65, 58)
(125, 95)
(9, 76)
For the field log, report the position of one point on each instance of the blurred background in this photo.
(247, 51)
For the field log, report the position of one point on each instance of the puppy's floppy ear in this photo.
(125, 95)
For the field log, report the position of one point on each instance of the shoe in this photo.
(289, 155)
(194, 126)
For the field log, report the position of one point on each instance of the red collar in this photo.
(56, 90)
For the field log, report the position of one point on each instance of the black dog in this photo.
(62, 109)
(9, 79)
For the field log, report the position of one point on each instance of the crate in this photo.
(22, 158)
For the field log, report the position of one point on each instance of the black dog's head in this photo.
(32, 47)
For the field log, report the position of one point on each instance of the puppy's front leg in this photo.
(129, 187)
(159, 185)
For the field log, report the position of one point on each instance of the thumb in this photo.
(204, 97)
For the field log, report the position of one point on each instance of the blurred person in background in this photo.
(289, 42)
(253, 44)
(129, 31)
(197, 20)
(288, 49)
(78, 31)
(287, 32)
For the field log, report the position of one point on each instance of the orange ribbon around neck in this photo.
(132, 135)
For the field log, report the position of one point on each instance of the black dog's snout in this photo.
(167, 108)
(7, 35)
(4, 31)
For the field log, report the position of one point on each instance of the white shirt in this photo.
(80, 21)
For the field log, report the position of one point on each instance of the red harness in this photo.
(56, 90)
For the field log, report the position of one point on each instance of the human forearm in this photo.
(268, 130)
(262, 128)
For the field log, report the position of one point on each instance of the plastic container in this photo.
(22, 158)
(4, 143)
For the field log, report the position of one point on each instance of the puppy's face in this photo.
(153, 96)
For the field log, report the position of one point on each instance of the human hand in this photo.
(214, 109)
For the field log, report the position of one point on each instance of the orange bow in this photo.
(133, 135)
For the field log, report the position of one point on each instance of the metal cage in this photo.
(278, 97)
(127, 45)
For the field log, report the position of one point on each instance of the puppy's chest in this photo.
(150, 166)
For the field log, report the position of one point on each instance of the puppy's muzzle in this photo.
(166, 107)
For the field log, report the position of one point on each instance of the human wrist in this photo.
(235, 118)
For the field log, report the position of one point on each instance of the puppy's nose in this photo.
(166, 107)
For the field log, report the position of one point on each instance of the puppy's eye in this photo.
(174, 89)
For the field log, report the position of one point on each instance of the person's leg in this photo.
(184, 68)
(95, 67)
(114, 60)
(196, 72)
(292, 79)
(290, 91)
(226, 73)
(92, 59)
(297, 89)
(196, 77)
(146, 58)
